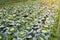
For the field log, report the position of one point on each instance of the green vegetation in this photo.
(28, 20)
(55, 30)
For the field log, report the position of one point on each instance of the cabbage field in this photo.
(29, 20)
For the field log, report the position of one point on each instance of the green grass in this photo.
(55, 30)
(11, 2)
